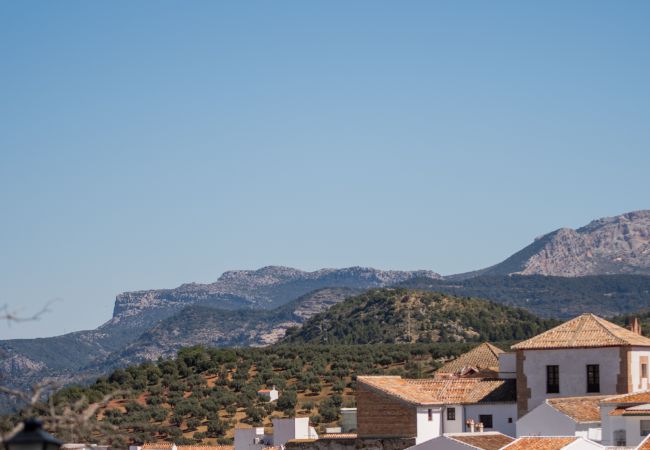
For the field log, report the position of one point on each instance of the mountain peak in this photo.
(610, 245)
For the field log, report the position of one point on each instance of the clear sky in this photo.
(146, 144)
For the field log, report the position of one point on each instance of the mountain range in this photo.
(602, 267)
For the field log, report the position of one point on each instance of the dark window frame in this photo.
(430, 412)
(451, 413)
(593, 378)
(553, 379)
(486, 420)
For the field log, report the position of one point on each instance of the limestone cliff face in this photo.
(608, 246)
(244, 307)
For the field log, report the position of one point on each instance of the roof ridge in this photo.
(600, 321)
(465, 443)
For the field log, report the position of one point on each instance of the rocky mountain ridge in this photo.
(607, 246)
(258, 295)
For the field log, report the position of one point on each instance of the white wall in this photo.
(245, 438)
(545, 420)
(285, 430)
(637, 383)
(573, 371)
(631, 425)
(348, 419)
(439, 443)
(453, 426)
(609, 424)
(508, 365)
(583, 444)
(428, 429)
(501, 412)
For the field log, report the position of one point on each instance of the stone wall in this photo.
(379, 416)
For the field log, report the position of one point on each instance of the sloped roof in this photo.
(484, 441)
(639, 410)
(485, 356)
(155, 445)
(541, 443)
(635, 397)
(586, 330)
(580, 409)
(443, 391)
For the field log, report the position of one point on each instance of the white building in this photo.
(584, 356)
(625, 419)
(565, 416)
(270, 395)
(488, 440)
(284, 430)
(391, 406)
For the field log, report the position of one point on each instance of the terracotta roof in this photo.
(616, 412)
(205, 447)
(338, 436)
(635, 397)
(485, 356)
(586, 330)
(264, 390)
(443, 391)
(639, 410)
(541, 443)
(580, 409)
(155, 445)
(484, 441)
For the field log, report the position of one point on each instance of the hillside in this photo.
(203, 394)
(611, 245)
(201, 325)
(400, 315)
(78, 356)
(546, 296)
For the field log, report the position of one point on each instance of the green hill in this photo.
(401, 316)
(546, 296)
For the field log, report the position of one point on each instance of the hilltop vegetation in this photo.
(557, 297)
(200, 396)
(402, 316)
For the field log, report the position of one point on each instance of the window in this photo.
(430, 415)
(619, 438)
(509, 419)
(645, 427)
(486, 420)
(451, 413)
(552, 379)
(593, 378)
(644, 370)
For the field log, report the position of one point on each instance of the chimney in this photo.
(635, 326)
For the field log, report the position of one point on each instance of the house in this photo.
(394, 407)
(564, 416)
(488, 440)
(552, 443)
(625, 419)
(284, 430)
(270, 395)
(481, 361)
(584, 356)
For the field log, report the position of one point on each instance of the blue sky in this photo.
(147, 144)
